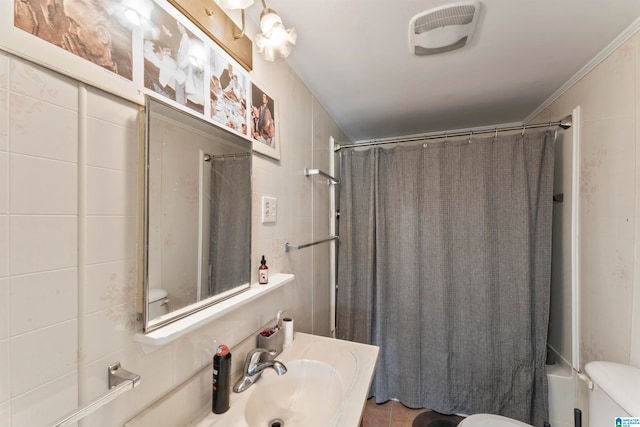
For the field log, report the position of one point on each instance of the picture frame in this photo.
(170, 69)
(264, 123)
(228, 88)
(145, 59)
(29, 33)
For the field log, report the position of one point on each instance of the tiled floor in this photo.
(389, 414)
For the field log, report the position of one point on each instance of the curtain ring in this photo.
(495, 136)
(523, 126)
(470, 135)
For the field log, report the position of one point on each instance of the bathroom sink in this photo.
(309, 394)
(326, 385)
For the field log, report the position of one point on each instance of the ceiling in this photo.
(354, 56)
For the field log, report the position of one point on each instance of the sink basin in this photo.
(309, 394)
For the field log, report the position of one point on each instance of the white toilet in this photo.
(616, 393)
(489, 420)
(158, 303)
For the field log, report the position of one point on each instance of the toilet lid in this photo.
(490, 420)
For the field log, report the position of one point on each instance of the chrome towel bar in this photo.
(331, 179)
(120, 381)
(288, 246)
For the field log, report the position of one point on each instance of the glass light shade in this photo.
(275, 40)
(268, 18)
(234, 4)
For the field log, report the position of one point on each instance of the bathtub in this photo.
(562, 400)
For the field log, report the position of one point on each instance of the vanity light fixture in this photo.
(234, 5)
(275, 41)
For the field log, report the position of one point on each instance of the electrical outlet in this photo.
(269, 209)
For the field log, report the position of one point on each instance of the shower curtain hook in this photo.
(523, 126)
(470, 135)
(495, 136)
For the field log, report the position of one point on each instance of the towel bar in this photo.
(288, 246)
(120, 381)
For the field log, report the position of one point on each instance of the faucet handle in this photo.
(254, 355)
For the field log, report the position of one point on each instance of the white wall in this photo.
(68, 210)
(609, 206)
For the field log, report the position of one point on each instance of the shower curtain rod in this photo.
(565, 123)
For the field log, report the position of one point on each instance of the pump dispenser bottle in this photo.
(221, 385)
(263, 272)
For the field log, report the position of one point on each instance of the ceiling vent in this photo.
(443, 28)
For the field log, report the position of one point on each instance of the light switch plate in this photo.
(269, 209)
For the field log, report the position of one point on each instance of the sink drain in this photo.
(276, 423)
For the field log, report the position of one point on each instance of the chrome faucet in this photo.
(253, 368)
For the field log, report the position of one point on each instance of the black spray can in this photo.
(221, 385)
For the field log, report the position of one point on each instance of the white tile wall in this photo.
(110, 239)
(4, 119)
(43, 85)
(4, 309)
(110, 284)
(46, 404)
(4, 245)
(5, 414)
(110, 146)
(110, 332)
(41, 356)
(4, 105)
(4, 183)
(4, 371)
(110, 192)
(111, 109)
(40, 243)
(53, 186)
(42, 299)
(35, 123)
(4, 71)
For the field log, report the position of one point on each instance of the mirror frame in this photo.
(199, 123)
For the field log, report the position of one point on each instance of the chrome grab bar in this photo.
(120, 381)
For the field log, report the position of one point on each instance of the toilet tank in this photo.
(616, 392)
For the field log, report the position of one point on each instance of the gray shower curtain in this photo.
(230, 224)
(445, 255)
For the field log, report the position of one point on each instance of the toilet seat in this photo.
(490, 420)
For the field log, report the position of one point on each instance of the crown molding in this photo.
(629, 32)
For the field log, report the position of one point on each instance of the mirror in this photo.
(197, 231)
